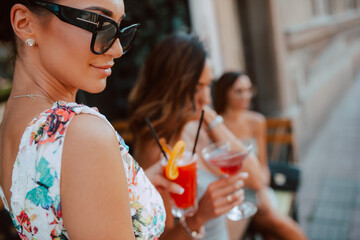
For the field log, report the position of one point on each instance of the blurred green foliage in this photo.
(6, 65)
(157, 18)
(6, 72)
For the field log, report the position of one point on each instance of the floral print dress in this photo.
(35, 201)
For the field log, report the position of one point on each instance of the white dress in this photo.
(35, 202)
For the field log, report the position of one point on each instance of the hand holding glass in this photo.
(184, 204)
(228, 157)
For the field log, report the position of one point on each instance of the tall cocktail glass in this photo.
(185, 204)
(228, 157)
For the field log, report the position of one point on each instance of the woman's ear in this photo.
(22, 21)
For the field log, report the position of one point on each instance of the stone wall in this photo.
(303, 55)
(322, 59)
(217, 23)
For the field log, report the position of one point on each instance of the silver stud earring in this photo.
(30, 42)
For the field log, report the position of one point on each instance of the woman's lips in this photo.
(106, 70)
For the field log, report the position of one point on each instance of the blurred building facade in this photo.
(302, 55)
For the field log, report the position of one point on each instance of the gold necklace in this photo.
(32, 96)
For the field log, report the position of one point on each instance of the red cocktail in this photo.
(228, 157)
(186, 202)
(228, 162)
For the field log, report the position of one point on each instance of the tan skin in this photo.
(213, 203)
(272, 225)
(58, 66)
(245, 124)
(219, 133)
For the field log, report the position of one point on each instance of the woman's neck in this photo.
(233, 113)
(33, 80)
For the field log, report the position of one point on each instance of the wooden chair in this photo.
(280, 140)
(282, 148)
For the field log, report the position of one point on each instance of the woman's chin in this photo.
(244, 106)
(98, 88)
(197, 115)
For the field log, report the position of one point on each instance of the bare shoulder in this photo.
(91, 129)
(189, 135)
(93, 181)
(189, 131)
(90, 145)
(190, 127)
(256, 118)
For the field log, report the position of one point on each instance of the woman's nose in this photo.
(205, 97)
(116, 49)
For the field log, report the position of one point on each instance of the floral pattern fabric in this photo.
(35, 202)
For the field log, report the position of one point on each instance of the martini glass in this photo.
(228, 157)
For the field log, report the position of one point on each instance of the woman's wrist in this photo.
(218, 119)
(195, 221)
(193, 227)
(209, 115)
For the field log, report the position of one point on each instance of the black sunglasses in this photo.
(104, 29)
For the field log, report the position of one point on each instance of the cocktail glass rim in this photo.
(246, 209)
(215, 145)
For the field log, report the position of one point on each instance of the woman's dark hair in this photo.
(220, 89)
(165, 89)
(6, 32)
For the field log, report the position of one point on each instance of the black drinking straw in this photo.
(155, 136)
(198, 131)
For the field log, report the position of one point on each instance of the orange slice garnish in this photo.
(171, 170)
(165, 147)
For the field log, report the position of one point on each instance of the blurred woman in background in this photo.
(233, 93)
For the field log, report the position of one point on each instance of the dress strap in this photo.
(2, 195)
(88, 110)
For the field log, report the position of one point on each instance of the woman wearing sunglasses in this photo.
(60, 180)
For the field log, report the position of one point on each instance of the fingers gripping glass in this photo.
(104, 30)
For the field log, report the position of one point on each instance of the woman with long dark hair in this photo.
(171, 91)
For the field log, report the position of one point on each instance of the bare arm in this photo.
(261, 141)
(94, 191)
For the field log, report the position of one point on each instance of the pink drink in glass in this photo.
(228, 162)
(228, 157)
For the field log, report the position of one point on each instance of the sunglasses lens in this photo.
(127, 36)
(107, 34)
(105, 37)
